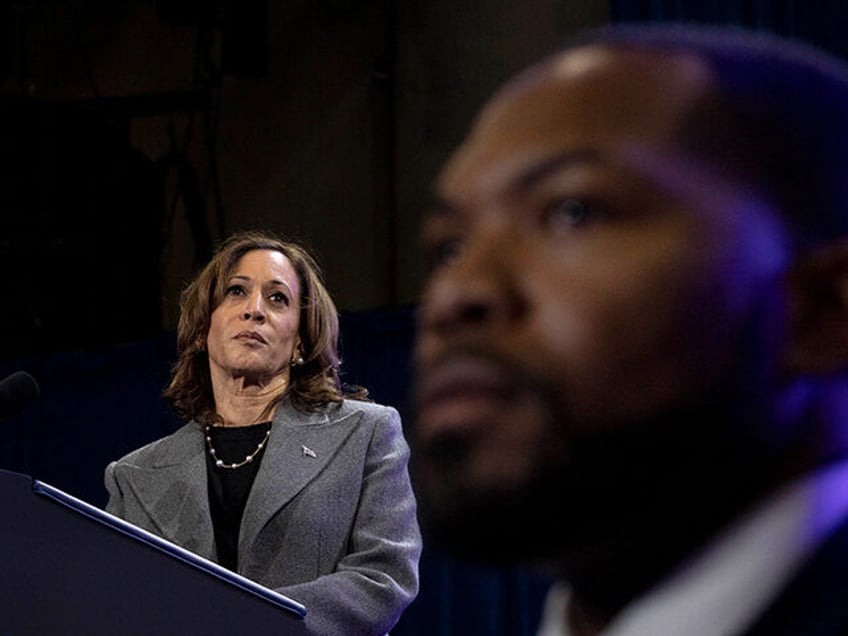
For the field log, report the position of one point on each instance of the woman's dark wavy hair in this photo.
(311, 386)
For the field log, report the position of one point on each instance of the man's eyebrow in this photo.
(552, 164)
(441, 207)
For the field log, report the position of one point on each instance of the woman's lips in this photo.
(250, 336)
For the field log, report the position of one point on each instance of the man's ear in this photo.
(818, 288)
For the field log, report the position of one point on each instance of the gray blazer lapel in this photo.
(172, 490)
(299, 448)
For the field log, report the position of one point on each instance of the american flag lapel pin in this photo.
(308, 452)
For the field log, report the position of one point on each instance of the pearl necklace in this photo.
(220, 463)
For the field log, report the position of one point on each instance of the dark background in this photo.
(134, 135)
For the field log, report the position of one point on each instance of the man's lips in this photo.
(250, 336)
(460, 394)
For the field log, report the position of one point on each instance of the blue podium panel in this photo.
(72, 569)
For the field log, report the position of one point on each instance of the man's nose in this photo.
(480, 287)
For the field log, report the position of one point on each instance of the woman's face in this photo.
(253, 332)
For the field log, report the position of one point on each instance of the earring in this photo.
(297, 359)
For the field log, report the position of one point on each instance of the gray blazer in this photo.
(330, 521)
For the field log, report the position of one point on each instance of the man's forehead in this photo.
(678, 70)
(589, 100)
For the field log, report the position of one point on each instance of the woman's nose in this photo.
(253, 309)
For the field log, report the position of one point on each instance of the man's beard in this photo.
(567, 503)
(528, 517)
(590, 491)
(507, 523)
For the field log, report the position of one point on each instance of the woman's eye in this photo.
(235, 290)
(566, 214)
(280, 297)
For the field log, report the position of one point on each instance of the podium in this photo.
(70, 568)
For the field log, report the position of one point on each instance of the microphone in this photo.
(16, 391)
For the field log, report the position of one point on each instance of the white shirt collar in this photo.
(725, 587)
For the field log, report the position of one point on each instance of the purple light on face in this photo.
(828, 502)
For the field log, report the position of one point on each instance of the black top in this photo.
(230, 487)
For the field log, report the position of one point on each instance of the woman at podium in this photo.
(280, 473)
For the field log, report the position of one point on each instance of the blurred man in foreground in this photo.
(634, 331)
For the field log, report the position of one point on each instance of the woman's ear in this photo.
(818, 288)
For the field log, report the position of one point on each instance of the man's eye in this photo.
(566, 214)
(444, 253)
